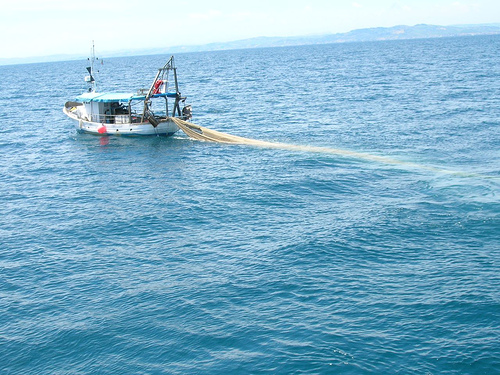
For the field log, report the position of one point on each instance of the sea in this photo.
(166, 255)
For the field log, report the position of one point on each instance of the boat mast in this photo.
(163, 74)
(90, 78)
(177, 93)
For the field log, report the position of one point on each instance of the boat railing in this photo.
(132, 118)
(116, 119)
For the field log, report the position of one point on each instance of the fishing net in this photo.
(204, 134)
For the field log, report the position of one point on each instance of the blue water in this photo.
(166, 255)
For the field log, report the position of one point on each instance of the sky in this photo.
(50, 27)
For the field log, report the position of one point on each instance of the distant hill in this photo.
(421, 31)
(359, 35)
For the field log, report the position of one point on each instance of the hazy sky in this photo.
(46, 27)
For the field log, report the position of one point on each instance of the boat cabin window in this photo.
(118, 108)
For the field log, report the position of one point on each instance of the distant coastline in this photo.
(401, 32)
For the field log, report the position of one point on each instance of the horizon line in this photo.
(200, 47)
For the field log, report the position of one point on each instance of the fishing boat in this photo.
(148, 111)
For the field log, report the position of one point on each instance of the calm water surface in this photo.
(166, 255)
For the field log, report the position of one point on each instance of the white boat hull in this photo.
(165, 127)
